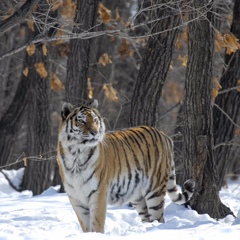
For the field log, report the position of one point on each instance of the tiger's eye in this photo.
(81, 121)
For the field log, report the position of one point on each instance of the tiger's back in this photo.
(132, 165)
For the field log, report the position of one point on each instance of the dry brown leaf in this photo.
(110, 92)
(23, 32)
(141, 41)
(232, 43)
(185, 35)
(105, 14)
(179, 44)
(56, 4)
(125, 49)
(68, 9)
(113, 93)
(25, 72)
(219, 42)
(31, 49)
(8, 14)
(183, 59)
(55, 83)
(118, 18)
(105, 59)
(30, 24)
(41, 70)
(25, 162)
(44, 49)
(237, 132)
(90, 88)
(228, 41)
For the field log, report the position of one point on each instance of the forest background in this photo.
(170, 64)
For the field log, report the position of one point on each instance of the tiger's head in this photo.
(82, 124)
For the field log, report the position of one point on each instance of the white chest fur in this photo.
(79, 165)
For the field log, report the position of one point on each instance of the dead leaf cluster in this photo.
(110, 92)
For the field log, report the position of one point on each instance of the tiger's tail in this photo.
(173, 193)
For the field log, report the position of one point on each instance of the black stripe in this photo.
(159, 206)
(134, 132)
(114, 146)
(149, 131)
(80, 166)
(174, 189)
(155, 194)
(93, 191)
(127, 162)
(65, 166)
(132, 138)
(90, 177)
(70, 185)
(146, 144)
(172, 177)
(81, 206)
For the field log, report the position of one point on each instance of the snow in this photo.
(50, 216)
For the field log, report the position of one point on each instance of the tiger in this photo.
(134, 165)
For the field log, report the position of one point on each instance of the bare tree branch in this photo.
(235, 124)
(121, 32)
(228, 90)
(18, 16)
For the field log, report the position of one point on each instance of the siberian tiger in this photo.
(97, 168)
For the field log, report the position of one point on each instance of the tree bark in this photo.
(155, 64)
(229, 102)
(13, 114)
(37, 175)
(12, 121)
(198, 136)
(78, 61)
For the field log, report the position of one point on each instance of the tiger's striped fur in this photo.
(132, 165)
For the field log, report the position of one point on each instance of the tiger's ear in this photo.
(94, 103)
(66, 110)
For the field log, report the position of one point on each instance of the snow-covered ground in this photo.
(50, 216)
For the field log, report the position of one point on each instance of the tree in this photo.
(197, 108)
(13, 117)
(155, 63)
(37, 176)
(229, 102)
(78, 61)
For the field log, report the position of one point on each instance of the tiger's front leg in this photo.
(82, 213)
(98, 208)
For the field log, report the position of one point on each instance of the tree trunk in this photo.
(155, 64)
(12, 121)
(229, 102)
(37, 176)
(78, 61)
(198, 137)
(13, 114)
